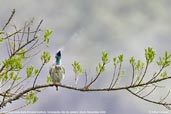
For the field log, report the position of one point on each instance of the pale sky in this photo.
(83, 29)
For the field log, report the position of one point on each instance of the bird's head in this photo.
(58, 57)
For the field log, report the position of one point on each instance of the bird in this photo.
(57, 71)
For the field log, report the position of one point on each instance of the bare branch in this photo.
(11, 16)
(133, 74)
(36, 87)
(38, 74)
(155, 76)
(146, 67)
(117, 78)
(162, 99)
(86, 78)
(113, 77)
(17, 108)
(150, 92)
(151, 101)
(87, 86)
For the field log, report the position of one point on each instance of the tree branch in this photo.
(38, 74)
(36, 87)
(11, 16)
(151, 101)
(87, 86)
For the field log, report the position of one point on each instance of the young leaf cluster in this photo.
(13, 76)
(117, 60)
(30, 71)
(47, 33)
(31, 98)
(104, 57)
(22, 53)
(149, 54)
(105, 60)
(15, 62)
(164, 61)
(48, 79)
(1, 40)
(77, 68)
(138, 65)
(10, 75)
(164, 74)
(45, 57)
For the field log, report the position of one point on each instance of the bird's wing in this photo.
(50, 70)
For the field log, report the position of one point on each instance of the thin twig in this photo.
(23, 32)
(117, 78)
(86, 78)
(155, 76)
(144, 87)
(10, 18)
(87, 86)
(10, 48)
(8, 36)
(133, 73)
(113, 77)
(37, 29)
(144, 73)
(151, 101)
(38, 74)
(162, 99)
(17, 108)
(140, 73)
(28, 34)
(150, 92)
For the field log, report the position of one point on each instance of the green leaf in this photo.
(120, 57)
(102, 68)
(13, 63)
(1, 40)
(1, 32)
(138, 78)
(45, 57)
(36, 71)
(17, 77)
(100, 65)
(77, 68)
(122, 72)
(104, 57)
(165, 60)
(29, 71)
(132, 61)
(164, 74)
(47, 33)
(48, 79)
(139, 65)
(115, 61)
(97, 69)
(31, 98)
(22, 53)
(35, 98)
(160, 62)
(149, 54)
(4, 77)
(11, 74)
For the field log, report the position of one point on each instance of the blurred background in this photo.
(83, 29)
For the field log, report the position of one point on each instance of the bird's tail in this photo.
(56, 88)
